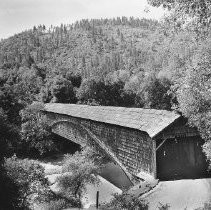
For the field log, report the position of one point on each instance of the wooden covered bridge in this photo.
(138, 141)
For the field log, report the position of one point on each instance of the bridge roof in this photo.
(151, 121)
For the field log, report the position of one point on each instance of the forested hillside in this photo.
(112, 57)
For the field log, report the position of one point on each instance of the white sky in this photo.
(19, 15)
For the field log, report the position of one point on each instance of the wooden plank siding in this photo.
(135, 149)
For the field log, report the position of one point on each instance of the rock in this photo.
(53, 177)
(51, 169)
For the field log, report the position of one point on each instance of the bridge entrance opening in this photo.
(181, 158)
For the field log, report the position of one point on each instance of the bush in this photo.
(125, 202)
(9, 136)
(80, 169)
(36, 135)
(55, 205)
(59, 204)
(29, 177)
(9, 198)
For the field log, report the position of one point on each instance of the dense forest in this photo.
(112, 62)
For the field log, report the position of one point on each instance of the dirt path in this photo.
(180, 194)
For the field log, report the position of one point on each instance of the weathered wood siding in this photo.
(178, 129)
(135, 149)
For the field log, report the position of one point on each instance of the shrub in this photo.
(59, 204)
(83, 169)
(30, 179)
(125, 202)
(55, 205)
(9, 198)
(36, 135)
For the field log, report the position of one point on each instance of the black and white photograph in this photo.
(105, 104)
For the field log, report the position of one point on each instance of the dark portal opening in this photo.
(181, 158)
(65, 145)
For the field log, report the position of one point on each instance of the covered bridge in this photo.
(140, 141)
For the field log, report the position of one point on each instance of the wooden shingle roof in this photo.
(151, 121)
